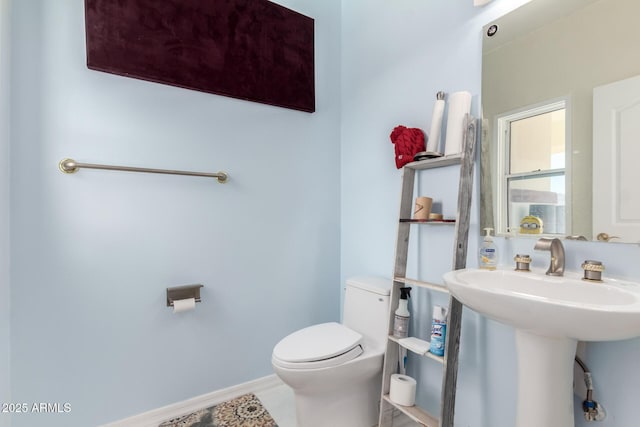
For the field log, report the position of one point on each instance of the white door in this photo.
(616, 160)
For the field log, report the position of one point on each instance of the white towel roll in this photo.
(459, 107)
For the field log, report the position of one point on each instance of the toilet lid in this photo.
(318, 342)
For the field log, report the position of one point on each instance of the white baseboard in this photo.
(154, 417)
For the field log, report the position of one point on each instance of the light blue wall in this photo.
(395, 57)
(92, 253)
(5, 374)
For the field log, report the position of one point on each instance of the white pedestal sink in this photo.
(550, 315)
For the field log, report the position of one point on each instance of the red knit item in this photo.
(408, 142)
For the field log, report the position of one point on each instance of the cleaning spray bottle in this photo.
(487, 255)
(401, 320)
(438, 331)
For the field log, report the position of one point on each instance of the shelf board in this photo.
(429, 221)
(437, 162)
(427, 354)
(422, 284)
(416, 413)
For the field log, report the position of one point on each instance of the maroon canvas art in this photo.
(248, 49)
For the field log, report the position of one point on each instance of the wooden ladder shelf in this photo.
(452, 345)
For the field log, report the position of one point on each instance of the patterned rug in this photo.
(243, 411)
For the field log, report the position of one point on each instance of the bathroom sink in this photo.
(550, 315)
(552, 306)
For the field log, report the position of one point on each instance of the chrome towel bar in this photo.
(71, 166)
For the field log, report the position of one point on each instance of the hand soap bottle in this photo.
(401, 320)
(487, 255)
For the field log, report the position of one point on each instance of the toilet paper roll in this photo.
(459, 106)
(402, 390)
(181, 305)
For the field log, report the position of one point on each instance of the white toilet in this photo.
(335, 370)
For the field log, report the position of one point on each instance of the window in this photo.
(532, 179)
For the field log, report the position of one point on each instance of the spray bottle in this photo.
(401, 320)
(438, 331)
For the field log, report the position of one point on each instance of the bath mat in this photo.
(243, 411)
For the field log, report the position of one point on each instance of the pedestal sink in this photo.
(550, 315)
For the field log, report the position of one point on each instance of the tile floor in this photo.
(279, 401)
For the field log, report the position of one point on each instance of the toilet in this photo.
(335, 369)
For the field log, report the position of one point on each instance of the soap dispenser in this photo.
(487, 255)
(401, 320)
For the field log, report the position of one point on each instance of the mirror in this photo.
(549, 58)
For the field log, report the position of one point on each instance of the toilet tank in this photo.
(366, 307)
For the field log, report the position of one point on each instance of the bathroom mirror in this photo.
(542, 64)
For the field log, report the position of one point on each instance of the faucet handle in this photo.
(522, 262)
(592, 270)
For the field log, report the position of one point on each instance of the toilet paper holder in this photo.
(183, 292)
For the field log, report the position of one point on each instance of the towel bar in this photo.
(71, 166)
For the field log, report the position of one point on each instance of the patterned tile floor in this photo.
(243, 411)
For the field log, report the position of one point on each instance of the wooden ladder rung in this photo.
(438, 162)
(422, 284)
(416, 413)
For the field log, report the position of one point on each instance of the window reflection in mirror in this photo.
(532, 183)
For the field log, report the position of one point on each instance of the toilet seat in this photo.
(318, 346)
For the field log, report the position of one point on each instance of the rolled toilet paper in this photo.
(181, 305)
(402, 390)
(459, 106)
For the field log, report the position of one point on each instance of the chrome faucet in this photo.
(556, 267)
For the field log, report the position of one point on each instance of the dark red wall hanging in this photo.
(248, 49)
